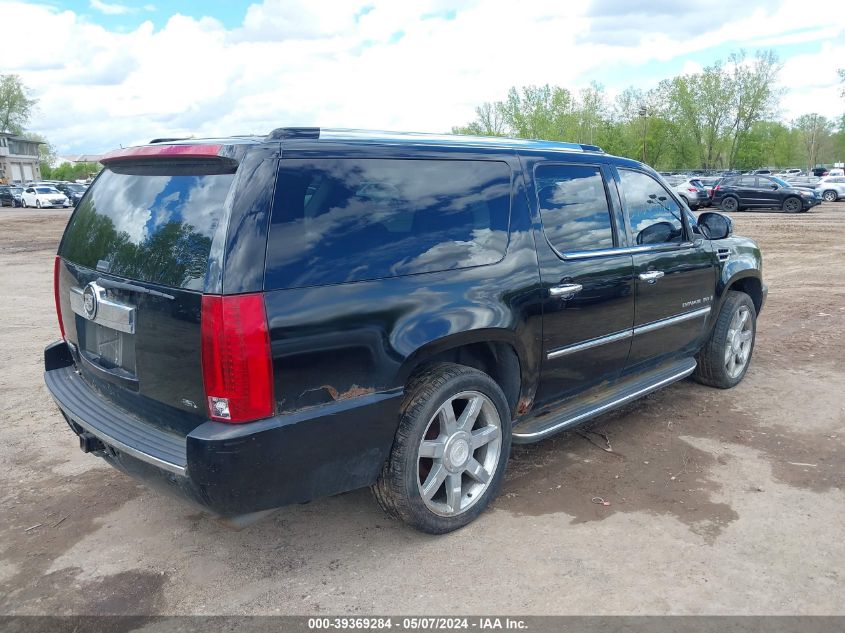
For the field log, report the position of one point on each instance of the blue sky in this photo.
(119, 72)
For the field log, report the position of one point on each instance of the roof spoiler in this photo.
(162, 151)
(592, 148)
(293, 132)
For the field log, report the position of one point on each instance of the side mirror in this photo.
(715, 226)
(774, 186)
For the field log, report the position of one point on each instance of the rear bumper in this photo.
(231, 469)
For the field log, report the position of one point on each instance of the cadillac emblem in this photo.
(89, 300)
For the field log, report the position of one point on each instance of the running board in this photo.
(574, 413)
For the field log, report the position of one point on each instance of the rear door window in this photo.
(573, 207)
(151, 224)
(341, 220)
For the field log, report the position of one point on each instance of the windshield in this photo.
(16, 189)
(155, 227)
(76, 188)
(46, 190)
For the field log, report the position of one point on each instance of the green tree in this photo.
(753, 95)
(15, 104)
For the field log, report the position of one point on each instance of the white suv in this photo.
(831, 188)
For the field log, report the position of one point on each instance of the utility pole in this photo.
(644, 115)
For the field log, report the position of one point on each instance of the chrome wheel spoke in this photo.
(483, 436)
(470, 414)
(459, 448)
(434, 480)
(447, 418)
(453, 493)
(477, 471)
(432, 448)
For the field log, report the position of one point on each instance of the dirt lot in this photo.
(726, 502)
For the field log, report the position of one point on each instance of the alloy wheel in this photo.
(792, 205)
(459, 453)
(739, 342)
(729, 204)
(829, 196)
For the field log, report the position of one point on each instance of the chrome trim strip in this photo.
(134, 452)
(578, 347)
(627, 250)
(614, 403)
(656, 325)
(110, 314)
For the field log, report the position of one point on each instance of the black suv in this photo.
(254, 322)
(10, 195)
(736, 193)
(72, 190)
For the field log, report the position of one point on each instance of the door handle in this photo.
(565, 291)
(651, 276)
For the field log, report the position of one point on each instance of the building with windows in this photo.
(18, 159)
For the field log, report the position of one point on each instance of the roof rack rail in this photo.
(168, 140)
(293, 132)
(592, 148)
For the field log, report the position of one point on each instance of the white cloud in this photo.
(114, 8)
(362, 63)
(109, 8)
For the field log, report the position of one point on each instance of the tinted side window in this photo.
(655, 216)
(341, 220)
(573, 207)
(747, 181)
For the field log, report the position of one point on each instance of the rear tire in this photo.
(729, 204)
(792, 205)
(830, 196)
(725, 357)
(443, 470)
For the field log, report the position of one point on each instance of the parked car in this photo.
(820, 171)
(43, 196)
(709, 183)
(736, 193)
(315, 311)
(789, 173)
(691, 191)
(72, 191)
(10, 195)
(831, 188)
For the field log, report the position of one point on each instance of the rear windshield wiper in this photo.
(122, 285)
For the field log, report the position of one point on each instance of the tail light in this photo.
(237, 367)
(692, 189)
(716, 188)
(57, 268)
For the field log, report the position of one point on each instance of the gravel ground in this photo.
(721, 502)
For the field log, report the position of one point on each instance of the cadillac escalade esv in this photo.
(258, 321)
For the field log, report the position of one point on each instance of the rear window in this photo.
(151, 224)
(341, 220)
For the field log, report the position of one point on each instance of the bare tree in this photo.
(815, 130)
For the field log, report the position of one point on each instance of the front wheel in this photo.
(23, 203)
(792, 205)
(725, 357)
(38, 204)
(450, 451)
